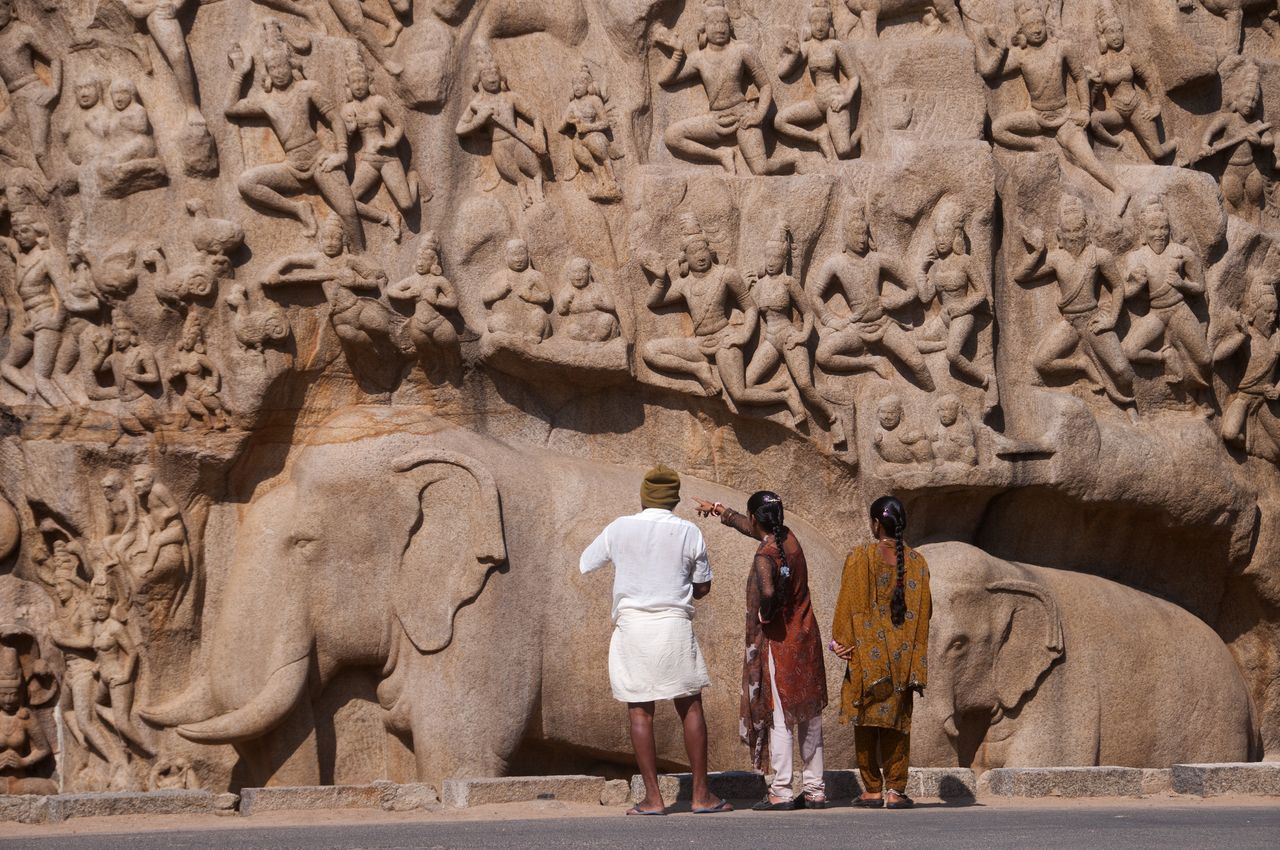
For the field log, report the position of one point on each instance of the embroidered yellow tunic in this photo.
(888, 661)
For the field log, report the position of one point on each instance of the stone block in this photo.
(1156, 780)
(465, 793)
(1208, 780)
(728, 784)
(256, 800)
(954, 784)
(24, 808)
(1062, 782)
(616, 792)
(407, 797)
(168, 802)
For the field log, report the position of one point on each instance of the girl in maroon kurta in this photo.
(784, 683)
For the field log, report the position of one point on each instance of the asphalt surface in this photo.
(970, 828)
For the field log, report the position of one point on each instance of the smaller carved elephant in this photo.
(1030, 666)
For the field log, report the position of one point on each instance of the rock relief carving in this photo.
(26, 682)
(936, 13)
(518, 147)
(30, 96)
(588, 123)
(1239, 131)
(898, 442)
(1129, 89)
(835, 84)
(377, 160)
(1253, 340)
(434, 300)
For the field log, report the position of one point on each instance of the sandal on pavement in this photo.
(811, 801)
(767, 805)
(902, 801)
(722, 806)
(869, 802)
(636, 810)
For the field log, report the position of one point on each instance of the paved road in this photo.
(972, 828)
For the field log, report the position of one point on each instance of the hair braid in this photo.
(892, 517)
(767, 509)
(898, 604)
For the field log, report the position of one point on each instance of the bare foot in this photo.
(307, 216)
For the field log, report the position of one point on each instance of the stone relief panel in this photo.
(1000, 257)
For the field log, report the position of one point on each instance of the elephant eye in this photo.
(301, 542)
(958, 644)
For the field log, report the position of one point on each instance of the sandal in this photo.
(864, 802)
(722, 806)
(767, 805)
(811, 801)
(902, 801)
(636, 810)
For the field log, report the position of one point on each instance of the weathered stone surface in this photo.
(1208, 780)
(616, 792)
(1062, 782)
(257, 800)
(24, 808)
(465, 793)
(1157, 780)
(169, 802)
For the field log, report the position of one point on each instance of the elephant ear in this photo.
(455, 541)
(1030, 641)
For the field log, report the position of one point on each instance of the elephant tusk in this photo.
(260, 714)
(193, 704)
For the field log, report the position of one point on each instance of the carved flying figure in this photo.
(1129, 88)
(352, 14)
(429, 329)
(377, 160)
(935, 12)
(517, 298)
(36, 335)
(196, 379)
(1168, 273)
(859, 339)
(586, 120)
(835, 83)
(896, 444)
(518, 150)
(1047, 69)
(1239, 128)
(29, 96)
(286, 99)
(1085, 339)
(727, 70)
(1253, 337)
(954, 440)
(1232, 11)
(584, 308)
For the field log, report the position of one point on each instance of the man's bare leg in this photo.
(641, 716)
(695, 744)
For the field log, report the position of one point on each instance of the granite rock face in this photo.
(331, 332)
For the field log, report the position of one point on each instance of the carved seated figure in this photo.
(585, 308)
(23, 744)
(517, 298)
(954, 440)
(896, 444)
(432, 295)
(137, 383)
(199, 377)
(128, 161)
(159, 558)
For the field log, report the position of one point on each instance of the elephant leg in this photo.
(289, 755)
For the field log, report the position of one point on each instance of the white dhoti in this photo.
(655, 656)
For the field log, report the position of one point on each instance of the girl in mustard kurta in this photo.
(881, 628)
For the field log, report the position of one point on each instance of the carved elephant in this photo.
(447, 562)
(1033, 667)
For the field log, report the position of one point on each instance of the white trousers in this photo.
(781, 744)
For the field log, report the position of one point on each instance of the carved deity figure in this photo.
(950, 275)
(1046, 68)
(585, 309)
(954, 440)
(85, 131)
(782, 301)
(727, 69)
(1254, 337)
(1085, 339)
(518, 298)
(895, 443)
(23, 744)
(36, 335)
(135, 372)
(1168, 273)
(287, 101)
(380, 131)
(358, 320)
(586, 120)
(196, 378)
(1239, 129)
(855, 341)
(432, 295)
(1121, 78)
(352, 14)
(518, 151)
(835, 83)
(128, 162)
(115, 658)
(159, 558)
(29, 96)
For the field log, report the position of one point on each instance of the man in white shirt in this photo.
(660, 567)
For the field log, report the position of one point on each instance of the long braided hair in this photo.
(892, 516)
(766, 507)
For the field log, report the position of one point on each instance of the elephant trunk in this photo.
(260, 714)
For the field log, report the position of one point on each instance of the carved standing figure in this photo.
(161, 19)
(586, 119)
(85, 132)
(200, 379)
(1239, 128)
(846, 342)
(518, 153)
(29, 96)
(432, 295)
(116, 659)
(586, 309)
(950, 275)
(380, 131)
(835, 83)
(1168, 273)
(517, 297)
(1254, 335)
(1122, 76)
(287, 101)
(1085, 339)
(36, 336)
(727, 69)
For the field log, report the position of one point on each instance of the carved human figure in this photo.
(160, 568)
(727, 69)
(161, 20)
(129, 161)
(1254, 337)
(121, 527)
(380, 131)
(357, 320)
(35, 336)
(1168, 273)
(23, 744)
(85, 132)
(196, 378)
(586, 120)
(893, 442)
(584, 306)
(287, 101)
(835, 83)
(1239, 128)
(115, 657)
(518, 151)
(1085, 339)
(1046, 68)
(352, 15)
(782, 301)
(29, 96)
(133, 367)
(432, 295)
(846, 342)
(954, 440)
(950, 275)
(518, 298)
(1122, 77)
